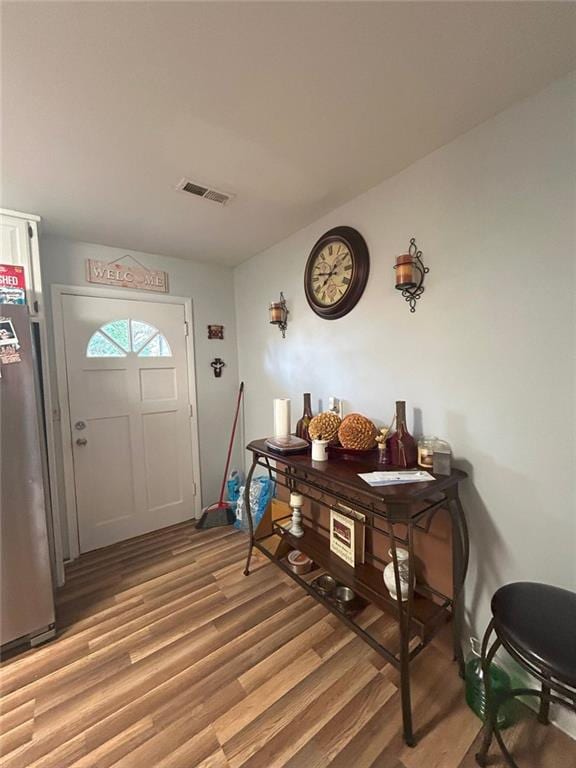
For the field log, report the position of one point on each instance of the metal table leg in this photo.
(460, 556)
(249, 512)
(404, 619)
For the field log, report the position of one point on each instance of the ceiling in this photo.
(294, 107)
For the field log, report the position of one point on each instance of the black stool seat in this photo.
(536, 624)
(539, 620)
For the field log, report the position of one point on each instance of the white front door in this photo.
(127, 370)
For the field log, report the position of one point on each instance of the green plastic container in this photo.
(476, 691)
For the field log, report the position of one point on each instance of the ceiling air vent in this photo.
(206, 192)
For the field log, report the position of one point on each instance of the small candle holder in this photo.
(410, 272)
(296, 502)
(426, 448)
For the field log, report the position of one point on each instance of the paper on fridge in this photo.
(396, 478)
(12, 284)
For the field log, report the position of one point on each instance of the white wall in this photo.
(487, 359)
(211, 290)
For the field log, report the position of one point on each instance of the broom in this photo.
(221, 513)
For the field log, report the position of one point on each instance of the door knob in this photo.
(81, 441)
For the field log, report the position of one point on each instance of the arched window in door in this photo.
(120, 338)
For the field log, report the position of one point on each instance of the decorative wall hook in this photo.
(410, 272)
(217, 365)
(278, 312)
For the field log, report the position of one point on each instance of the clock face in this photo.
(336, 272)
(332, 273)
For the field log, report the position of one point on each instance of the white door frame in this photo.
(60, 352)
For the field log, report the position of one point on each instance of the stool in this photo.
(536, 624)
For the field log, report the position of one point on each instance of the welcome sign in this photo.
(115, 273)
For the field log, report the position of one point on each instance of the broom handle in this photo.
(240, 392)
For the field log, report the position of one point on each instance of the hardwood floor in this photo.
(168, 657)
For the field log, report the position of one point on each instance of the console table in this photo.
(395, 512)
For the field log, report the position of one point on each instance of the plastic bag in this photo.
(233, 485)
(261, 491)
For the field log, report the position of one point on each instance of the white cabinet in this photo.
(19, 245)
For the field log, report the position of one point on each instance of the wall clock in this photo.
(336, 272)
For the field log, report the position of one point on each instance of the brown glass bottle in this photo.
(401, 448)
(302, 426)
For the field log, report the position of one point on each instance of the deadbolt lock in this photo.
(80, 425)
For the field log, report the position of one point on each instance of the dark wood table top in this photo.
(345, 471)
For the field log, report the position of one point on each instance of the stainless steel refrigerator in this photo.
(26, 600)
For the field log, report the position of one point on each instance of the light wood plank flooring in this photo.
(168, 657)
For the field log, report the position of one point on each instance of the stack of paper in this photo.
(397, 478)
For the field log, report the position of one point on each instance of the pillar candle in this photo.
(281, 417)
(275, 313)
(404, 272)
(296, 500)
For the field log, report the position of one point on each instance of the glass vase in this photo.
(304, 421)
(401, 448)
(476, 690)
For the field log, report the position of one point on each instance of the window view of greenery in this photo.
(119, 338)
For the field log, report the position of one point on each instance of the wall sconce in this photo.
(278, 312)
(410, 272)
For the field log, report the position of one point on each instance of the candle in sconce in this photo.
(405, 272)
(276, 312)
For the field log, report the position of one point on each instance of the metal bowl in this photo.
(324, 584)
(344, 595)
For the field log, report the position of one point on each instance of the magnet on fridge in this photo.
(7, 333)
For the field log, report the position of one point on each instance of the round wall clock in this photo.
(336, 272)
